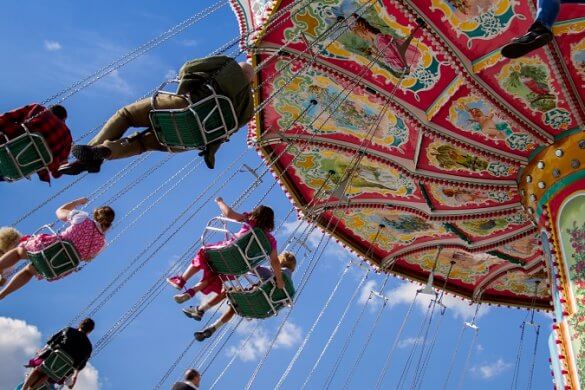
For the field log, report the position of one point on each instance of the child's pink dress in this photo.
(83, 232)
(200, 260)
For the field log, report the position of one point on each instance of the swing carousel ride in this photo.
(399, 128)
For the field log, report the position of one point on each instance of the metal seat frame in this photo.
(201, 121)
(16, 159)
(55, 269)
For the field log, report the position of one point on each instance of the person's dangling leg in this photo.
(9, 259)
(208, 332)
(110, 144)
(547, 12)
(197, 312)
(34, 379)
(20, 279)
(178, 282)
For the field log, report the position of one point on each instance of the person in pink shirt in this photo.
(261, 217)
(84, 232)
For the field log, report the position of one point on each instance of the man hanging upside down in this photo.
(288, 263)
(222, 73)
(540, 33)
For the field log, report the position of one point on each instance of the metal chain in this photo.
(386, 366)
(310, 332)
(370, 335)
(336, 329)
(135, 53)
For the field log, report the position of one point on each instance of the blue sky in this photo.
(50, 45)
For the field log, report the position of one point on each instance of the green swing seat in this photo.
(202, 122)
(241, 256)
(23, 156)
(58, 366)
(55, 260)
(263, 301)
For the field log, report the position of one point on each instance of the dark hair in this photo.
(191, 374)
(263, 217)
(87, 325)
(104, 216)
(59, 111)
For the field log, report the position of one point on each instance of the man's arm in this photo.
(16, 116)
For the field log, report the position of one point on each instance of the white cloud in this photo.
(88, 379)
(365, 292)
(115, 82)
(480, 348)
(171, 74)
(19, 342)
(405, 292)
(52, 46)
(490, 370)
(409, 342)
(257, 346)
(190, 42)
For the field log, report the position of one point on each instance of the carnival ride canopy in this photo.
(400, 129)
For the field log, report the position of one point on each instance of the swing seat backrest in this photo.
(56, 260)
(23, 156)
(58, 366)
(207, 120)
(242, 255)
(262, 301)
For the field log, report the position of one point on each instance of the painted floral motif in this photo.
(372, 36)
(452, 158)
(572, 237)
(468, 266)
(578, 57)
(520, 283)
(476, 115)
(529, 80)
(335, 111)
(525, 247)
(484, 227)
(462, 196)
(400, 228)
(368, 177)
(477, 19)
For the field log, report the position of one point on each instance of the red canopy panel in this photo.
(403, 114)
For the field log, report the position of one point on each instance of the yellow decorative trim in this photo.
(444, 97)
(569, 27)
(487, 61)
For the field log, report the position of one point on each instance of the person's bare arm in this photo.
(73, 380)
(63, 211)
(228, 212)
(276, 269)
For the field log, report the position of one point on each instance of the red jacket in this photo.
(44, 122)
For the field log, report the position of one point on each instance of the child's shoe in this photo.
(177, 282)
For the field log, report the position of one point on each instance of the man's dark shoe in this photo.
(77, 167)
(88, 153)
(205, 334)
(537, 36)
